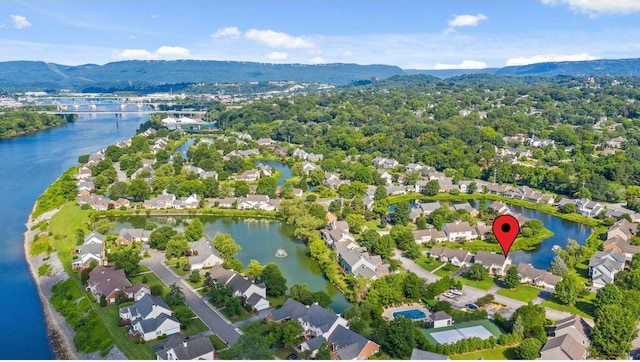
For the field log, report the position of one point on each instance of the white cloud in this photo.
(167, 51)
(164, 52)
(594, 7)
(276, 39)
(230, 32)
(464, 20)
(541, 58)
(637, 46)
(132, 37)
(20, 22)
(277, 55)
(467, 64)
(317, 60)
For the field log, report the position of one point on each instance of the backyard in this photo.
(523, 293)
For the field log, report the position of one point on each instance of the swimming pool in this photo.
(410, 314)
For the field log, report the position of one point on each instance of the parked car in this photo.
(292, 356)
(472, 306)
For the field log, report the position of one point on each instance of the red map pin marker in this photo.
(506, 228)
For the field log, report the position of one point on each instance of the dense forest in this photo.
(14, 123)
(461, 126)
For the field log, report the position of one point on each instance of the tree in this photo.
(195, 230)
(176, 295)
(421, 223)
(126, 258)
(254, 269)
(291, 330)
(79, 236)
(610, 294)
(401, 213)
(356, 223)
(159, 237)
(529, 349)
(569, 208)
(558, 266)
(195, 277)
(533, 319)
(267, 186)
(615, 328)
(121, 297)
(411, 286)
(380, 193)
(512, 279)
(477, 272)
(397, 338)
(103, 226)
(568, 289)
(324, 353)
(251, 346)
(274, 280)
(432, 188)
(177, 246)
(227, 247)
(139, 190)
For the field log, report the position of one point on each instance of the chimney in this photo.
(184, 344)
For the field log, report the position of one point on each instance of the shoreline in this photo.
(59, 332)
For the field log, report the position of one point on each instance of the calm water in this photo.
(29, 164)
(260, 239)
(286, 171)
(563, 230)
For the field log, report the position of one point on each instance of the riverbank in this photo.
(60, 333)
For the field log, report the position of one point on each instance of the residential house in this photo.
(249, 176)
(615, 142)
(85, 188)
(457, 257)
(621, 245)
(299, 152)
(150, 318)
(604, 265)
(386, 177)
(420, 355)
(413, 167)
(537, 277)
(226, 203)
(83, 173)
(257, 202)
(266, 170)
(482, 230)
(163, 201)
(428, 235)
(498, 207)
(539, 142)
(464, 186)
(568, 341)
(107, 281)
(96, 202)
(359, 262)
(459, 230)
(187, 202)
(281, 152)
(267, 142)
(309, 166)
(253, 295)
(590, 208)
(395, 190)
(177, 347)
(496, 263)
(387, 163)
(137, 291)
(439, 319)
(346, 344)
(91, 249)
(623, 229)
(313, 157)
(204, 254)
(496, 189)
(467, 207)
(129, 236)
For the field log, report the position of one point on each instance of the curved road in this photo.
(217, 323)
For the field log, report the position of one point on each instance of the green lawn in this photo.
(446, 270)
(63, 228)
(218, 343)
(130, 348)
(583, 307)
(194, 326)
(428, 263)
(277, 302)
(152, 279)
(524, 293)
(236, 317)
(484, 284)
(174, 264)
(498, 353)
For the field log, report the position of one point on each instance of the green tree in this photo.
(512, 279)
(267, 186)
(477, 272)
(397, 338)
(291, 331)
(195, 277)
(159, 237)
(356, 223)
(324, 353)
(176, 295)
(274, 280)
(254, 269)
(227, 247)
(421, 223)
(139, 190)
(432, 188)
(568, 289)
(615, 328)
(79, 236)
(558, 266)
(401, 213)
(251, 346)
(103, 226)
(533, 319)
(195, 230)
(126, 258)
(380, 193)
(177, 246)
(610, 294)
(529, 349)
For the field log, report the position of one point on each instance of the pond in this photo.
(260, 240)
(286, 171)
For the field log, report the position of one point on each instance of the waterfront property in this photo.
(150, 318)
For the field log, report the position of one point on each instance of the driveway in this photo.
(216, 322)
(409, 265)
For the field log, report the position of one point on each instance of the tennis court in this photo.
(447, 335)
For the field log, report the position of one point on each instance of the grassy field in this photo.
(583, 307)
(41, 245)
(152, 279)
(498, 353)
(428, 263)
(484, 284)
(63, 228)
(129, 347)
(218, 343)
(485, 323)
(446, 270)
(524, 293)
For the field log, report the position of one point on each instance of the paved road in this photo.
(409, 265)
(211, 318)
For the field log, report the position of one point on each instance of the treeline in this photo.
(13, 123)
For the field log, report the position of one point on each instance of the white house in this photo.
(204, 255)
(459, 230)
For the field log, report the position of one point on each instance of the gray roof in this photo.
(152, 324)
(204, 248)
(418, 354)
(568, 347)
(290, 309)
(350, 343)
(146, 304)
(195, 347)
(319, 317)
(315, 342)
(487, 259)
(106, 280)
(440, 316)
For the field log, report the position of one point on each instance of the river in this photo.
(30, 163)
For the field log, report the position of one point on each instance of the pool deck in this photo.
(387, 313)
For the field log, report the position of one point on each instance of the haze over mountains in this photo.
(34, 75)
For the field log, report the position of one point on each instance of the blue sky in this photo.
(435, 34)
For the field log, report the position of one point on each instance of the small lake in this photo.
(260, 239)
(286, 171)
(563, 230)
